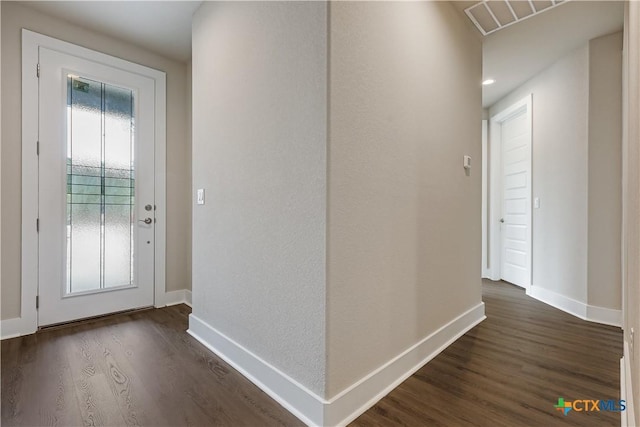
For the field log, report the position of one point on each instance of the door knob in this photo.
(501, 219)
(146, 220)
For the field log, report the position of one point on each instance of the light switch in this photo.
(466, 162)
(200, 196)
(536, 203)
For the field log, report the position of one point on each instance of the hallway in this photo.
(142, 368)
(510, 370)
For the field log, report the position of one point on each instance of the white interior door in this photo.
(515, 257)
(96, 189)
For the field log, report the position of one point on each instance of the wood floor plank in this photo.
(142, 368)
(510, 370)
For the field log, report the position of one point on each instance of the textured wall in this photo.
(560, 176)
(259, 151)
(404, 219)
(14, 18)
(605, 172)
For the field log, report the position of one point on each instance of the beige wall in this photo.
(605, 172)
(404, 220)
(259, 151)
(15, 17)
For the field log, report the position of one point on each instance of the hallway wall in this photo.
(604, 274)
(339, 245)
(259, 151)
(404, 218)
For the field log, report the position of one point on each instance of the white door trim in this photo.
(486, 271)
(495, 184)
(29, 269)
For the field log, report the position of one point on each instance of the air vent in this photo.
(493, 15)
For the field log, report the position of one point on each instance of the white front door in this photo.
(96, 189)
(515, 257)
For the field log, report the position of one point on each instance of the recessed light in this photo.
(488, 82)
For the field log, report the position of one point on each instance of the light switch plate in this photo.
(200, 196)
(536, 203)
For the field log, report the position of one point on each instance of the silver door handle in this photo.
(146, 220)
(501, 219)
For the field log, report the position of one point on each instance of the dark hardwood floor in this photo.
(136, 369)
(143, 369)
(510, 370)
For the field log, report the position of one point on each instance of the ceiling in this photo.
(511, 56)
(163, 27)
(514, 54)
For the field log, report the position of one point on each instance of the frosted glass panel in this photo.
(85, 246)
(117, 245)
(100, 186)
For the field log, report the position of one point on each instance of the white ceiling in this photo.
(511, 56)
(163, 27)
(514, 54)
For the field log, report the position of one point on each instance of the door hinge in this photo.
(37, 148)
(38, 70)
(37, 225)
(37, 301)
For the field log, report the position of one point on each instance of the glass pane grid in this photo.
(100, 186)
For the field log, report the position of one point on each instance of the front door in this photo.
(96, 189)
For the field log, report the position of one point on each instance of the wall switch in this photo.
(466, 162)
(200, 196)
(536, 203)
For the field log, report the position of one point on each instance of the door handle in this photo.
(501, 219)
(146, 220)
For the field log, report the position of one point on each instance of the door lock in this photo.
(148, 208)
(146, 220)
(501, 219)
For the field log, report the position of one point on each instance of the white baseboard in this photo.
(183, 296)
(295, 397)
(579, 309)
(353, 401)
(12, 328)
(627, 418)
(604, 315)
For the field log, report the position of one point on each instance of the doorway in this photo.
(510, 225)
(98, 241)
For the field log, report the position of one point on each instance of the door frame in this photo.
(495, 196)
(31, 42)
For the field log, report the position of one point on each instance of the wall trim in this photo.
(12, 328)
(182, 296)
(607, 316)
(627, 417)
(353, 401)
(293, 396)
(577, 308)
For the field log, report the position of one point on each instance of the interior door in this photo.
(516, 203)
(96, 189)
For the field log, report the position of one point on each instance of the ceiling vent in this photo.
(493, 15)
